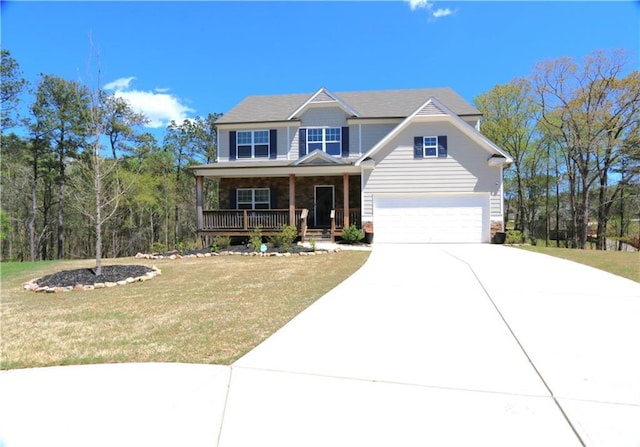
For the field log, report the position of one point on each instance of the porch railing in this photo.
(247, 219)
(354, 217)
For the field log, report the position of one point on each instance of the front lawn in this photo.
(200, 310)
(626, 264)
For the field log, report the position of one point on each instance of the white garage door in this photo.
(415, 218)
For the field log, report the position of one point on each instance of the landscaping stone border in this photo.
(34, 287)
(235, 253)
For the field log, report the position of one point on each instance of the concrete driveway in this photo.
(442, 345)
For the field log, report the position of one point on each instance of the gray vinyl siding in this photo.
(325, 116)
(465, 170)
(373, 133)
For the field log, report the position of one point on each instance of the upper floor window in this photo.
(326, 139)
(253, 143)
(430, 147)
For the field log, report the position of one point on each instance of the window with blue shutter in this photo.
(418, 147)
(273, 144)
(302, 142)
(345, 142)
(430, 147)
(442, 146)
(232, 145)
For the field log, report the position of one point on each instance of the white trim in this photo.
(424, 147)
(502, 193)
(324, 140)
(218, 147)
(317, 154)
(275, 171)
(456, 121)
(315, 200)
(343, 105)
(253, 144)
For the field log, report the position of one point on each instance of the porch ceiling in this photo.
(272, 169)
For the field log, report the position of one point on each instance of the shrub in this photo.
(220, 242)
(157, 247)
(255, 239)
(352, 235)
(514, 237)
(285, 238)
(312, 242)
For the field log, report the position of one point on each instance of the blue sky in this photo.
(174, 60)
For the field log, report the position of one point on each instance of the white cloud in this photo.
(433, 13)
(119, 84)
(157, 105)
(442, 12)
(418, 4)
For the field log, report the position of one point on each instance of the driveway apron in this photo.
(410, 350)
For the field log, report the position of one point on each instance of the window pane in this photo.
(244, 151)
(334, 149)
(314, 146)
(430, 151)
(244, 206)
(262, 195)
(314, 134)
(262, 150)
(262, 206)
(244, 195)
(430, 141)
(332, 134)
(244, 137)
(261, 137)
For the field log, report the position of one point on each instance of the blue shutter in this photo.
(442, 146)
(418, 147)
(302, 141)
(345, 142)
(233, 203)
(273, 198)
(273, 143)
(232, 145)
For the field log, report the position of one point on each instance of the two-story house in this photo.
(411, 164)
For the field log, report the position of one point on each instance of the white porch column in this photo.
(199, 184)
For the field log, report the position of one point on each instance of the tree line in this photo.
(572, 130)
(80, 177)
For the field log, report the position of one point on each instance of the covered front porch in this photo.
(318, 203)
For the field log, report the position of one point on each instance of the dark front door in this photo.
(323, 206)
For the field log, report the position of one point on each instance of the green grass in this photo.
(200, 310)
(625, 264)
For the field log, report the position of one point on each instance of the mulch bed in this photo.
(86, 279)
(110, 273)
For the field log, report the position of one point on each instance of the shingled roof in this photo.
(368, 104)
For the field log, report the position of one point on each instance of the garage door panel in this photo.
(463, 218)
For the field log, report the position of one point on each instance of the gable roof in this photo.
(317, 156)
(368, 104)
(323, 96)
(433, 107)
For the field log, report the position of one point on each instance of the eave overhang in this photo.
(221, 170)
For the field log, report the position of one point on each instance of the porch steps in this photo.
(318, 234)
